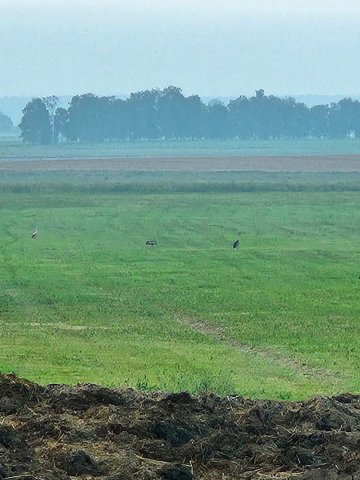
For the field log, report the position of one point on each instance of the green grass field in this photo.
(14, 148)
(87, 301)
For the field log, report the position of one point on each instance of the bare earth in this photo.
(311, 163)
(58, 432)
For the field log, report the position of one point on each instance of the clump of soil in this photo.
(59, 432)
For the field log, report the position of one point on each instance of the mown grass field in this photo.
(88, 301)
(11, 147)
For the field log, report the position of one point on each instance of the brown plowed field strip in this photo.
(314, 163)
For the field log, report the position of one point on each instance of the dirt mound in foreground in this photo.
(59, 432)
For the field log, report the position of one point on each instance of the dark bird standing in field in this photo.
(236, 244)
(151, 242)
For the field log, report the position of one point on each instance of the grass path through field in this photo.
(268, 354)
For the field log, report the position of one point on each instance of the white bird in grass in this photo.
(34, 233)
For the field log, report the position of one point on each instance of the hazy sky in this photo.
(210, 47)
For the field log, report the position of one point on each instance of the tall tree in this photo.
(142, 114)
(171, 107)
(61, 118)
(88, 118)
(319, 121)
(35, 123)
(51, 104)
(239, 118)
(195, 121)
(117, 124)
(344, 118)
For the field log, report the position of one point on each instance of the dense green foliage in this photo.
(168, 114)
(87, 301)
(35, 124)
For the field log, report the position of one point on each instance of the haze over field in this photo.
(211, 48)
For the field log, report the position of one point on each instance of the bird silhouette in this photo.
(34, 233)
(236, 244)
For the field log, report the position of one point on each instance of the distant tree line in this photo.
(167, 114)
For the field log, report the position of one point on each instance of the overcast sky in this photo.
(210, 47)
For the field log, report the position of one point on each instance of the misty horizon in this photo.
(209, 48)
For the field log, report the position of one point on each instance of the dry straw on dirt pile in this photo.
(57, 432)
